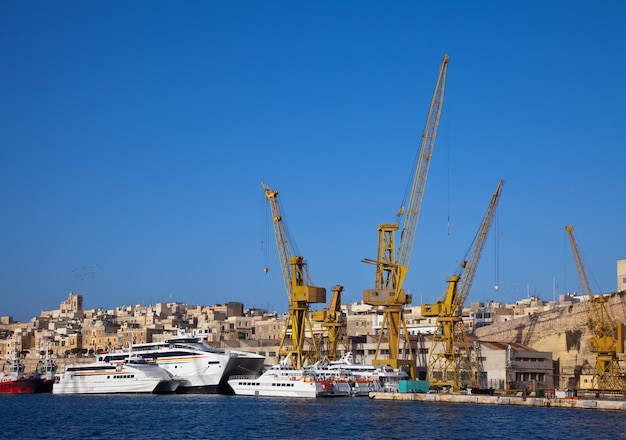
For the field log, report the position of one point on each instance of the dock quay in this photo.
(581, 403)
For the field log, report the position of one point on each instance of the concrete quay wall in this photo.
(619, 405)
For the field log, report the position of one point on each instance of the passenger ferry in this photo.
(280, 380)
(134, 375)
(198, 367)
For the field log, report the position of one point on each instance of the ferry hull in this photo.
(204, 389)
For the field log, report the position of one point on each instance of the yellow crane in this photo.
(300, 291)
(449, 359)
(392, 263)
(607, 337)
(333, 321)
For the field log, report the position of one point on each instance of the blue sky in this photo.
(135, 136)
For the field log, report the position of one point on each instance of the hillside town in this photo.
(72, 334)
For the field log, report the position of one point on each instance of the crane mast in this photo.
(414, 206)
(606, 335)
(449, 361)
(392, 263)
(300, 291)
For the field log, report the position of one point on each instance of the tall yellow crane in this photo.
(300, 291)
(392, 263)
(449, 359)
(334, 322)
(607, 337)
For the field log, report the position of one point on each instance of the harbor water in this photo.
(48, 416)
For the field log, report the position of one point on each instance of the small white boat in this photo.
(280, 380)
(133, 376)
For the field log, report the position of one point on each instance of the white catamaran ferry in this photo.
(131, 376)
(198, 368)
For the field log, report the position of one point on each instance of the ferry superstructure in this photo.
(198, 367)
(130, 376)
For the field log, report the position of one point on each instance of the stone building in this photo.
(72, 306)
(101, 336)
(513, 366)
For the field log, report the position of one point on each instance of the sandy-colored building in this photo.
(514, 366)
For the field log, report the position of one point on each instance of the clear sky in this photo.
(135, 135)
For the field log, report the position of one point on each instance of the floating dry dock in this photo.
(504, 400)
